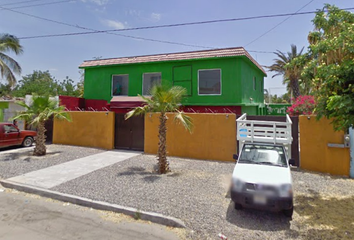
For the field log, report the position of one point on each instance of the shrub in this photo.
(303, 105)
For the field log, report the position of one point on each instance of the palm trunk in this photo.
(40, 148)
(163, 163)
(295, 88)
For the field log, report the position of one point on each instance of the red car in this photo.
(10, 135)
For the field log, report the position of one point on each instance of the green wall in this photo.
(236, 79)
(3, 105)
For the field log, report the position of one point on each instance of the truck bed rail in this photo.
(264, 131)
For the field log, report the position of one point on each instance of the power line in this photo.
(15, 3)
(278, 24)
(85, 28)
(175, 25)
(43, 4)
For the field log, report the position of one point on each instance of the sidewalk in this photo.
(58, 174)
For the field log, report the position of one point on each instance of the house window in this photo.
(150, 80)
(254, 83)
(120, 85)
(209, 82)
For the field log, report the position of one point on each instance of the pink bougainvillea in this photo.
(303, 105)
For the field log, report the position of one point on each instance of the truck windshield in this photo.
(263, 154)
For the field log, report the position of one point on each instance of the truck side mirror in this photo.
(292, 161)
(235, 156)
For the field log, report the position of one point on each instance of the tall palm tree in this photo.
(164, 100)
(8, 66)
(42, 109)
(291, 73)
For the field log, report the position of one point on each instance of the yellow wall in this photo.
(213, 137)
(315, 155)
(89, 129)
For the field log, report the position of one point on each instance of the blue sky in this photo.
(62, 55)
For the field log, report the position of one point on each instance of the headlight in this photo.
(286, 190)
(237, 184)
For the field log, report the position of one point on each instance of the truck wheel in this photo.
(27, 142)
(238, 206)
(289, 212)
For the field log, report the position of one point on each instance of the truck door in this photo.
(2, 136)
(12, 135)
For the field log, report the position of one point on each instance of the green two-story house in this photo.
(220, 80)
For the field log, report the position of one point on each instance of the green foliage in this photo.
(43, 83)
(8, 66)
(332, 65)
(5, 90)
(41, 109)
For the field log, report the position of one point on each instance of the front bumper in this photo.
(273, 203)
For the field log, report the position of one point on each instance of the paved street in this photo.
(33, 218)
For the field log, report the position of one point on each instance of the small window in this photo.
(150, 80)
(254, 83)
(120, 85)
(209, 82)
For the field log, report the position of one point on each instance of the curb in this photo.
(147, 216)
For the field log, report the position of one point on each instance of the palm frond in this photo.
(137, 112)
(185, 120)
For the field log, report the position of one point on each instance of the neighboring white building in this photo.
(11, 109)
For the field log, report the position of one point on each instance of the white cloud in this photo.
(155, 17)
(98, 2)
(115, 24)
(134, 13)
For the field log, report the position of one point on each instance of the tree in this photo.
(164, 100)
(68, 88)
(43, 83)
(39, 83)
(332, 67)
(5, 90)
(8, 66)
(291, 74)
(37, 114)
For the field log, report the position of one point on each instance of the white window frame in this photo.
(142, 87)
(201, 94)
(112, 85)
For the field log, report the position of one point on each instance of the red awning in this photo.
(126, 102)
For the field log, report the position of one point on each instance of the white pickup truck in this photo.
(262, 177)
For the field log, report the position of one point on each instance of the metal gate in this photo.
(129, 134)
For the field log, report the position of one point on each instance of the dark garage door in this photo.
(129, 134)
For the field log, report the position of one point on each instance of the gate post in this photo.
(351, 137)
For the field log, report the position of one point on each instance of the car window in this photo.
(263, 154)
(10, 128)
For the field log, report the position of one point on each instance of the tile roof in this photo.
(225, 52)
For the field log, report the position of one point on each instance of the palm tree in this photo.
(42, 109)
(8, 66)
(164, 100)
(291, 73)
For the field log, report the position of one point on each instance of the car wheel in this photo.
(289, 212)
(27, 142)
(238, 206)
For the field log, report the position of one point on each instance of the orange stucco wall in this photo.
(315, 155)
(213, 137)
(89, 129)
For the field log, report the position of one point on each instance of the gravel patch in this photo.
(15, 163)
(195, 192)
